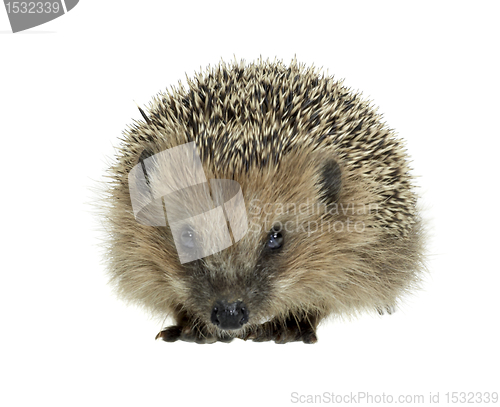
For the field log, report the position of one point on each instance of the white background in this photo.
(67, 90)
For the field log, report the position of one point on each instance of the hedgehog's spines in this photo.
(144, 115)
(271, 109)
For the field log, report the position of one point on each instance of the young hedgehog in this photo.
(333, 227)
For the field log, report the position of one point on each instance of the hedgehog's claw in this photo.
(170, 334)
(310, 337)
(250, 335)
(388, 309)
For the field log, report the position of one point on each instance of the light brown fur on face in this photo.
(311, 157)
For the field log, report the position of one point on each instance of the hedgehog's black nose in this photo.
(229, 315)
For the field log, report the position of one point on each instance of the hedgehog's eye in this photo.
(187, 238)
(275, 239)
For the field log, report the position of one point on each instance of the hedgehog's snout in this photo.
(229, 315)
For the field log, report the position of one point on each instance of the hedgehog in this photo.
(324, 219)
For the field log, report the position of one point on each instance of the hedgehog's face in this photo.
(237, 286)
(273, 271)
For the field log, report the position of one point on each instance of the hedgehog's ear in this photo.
(330, 181)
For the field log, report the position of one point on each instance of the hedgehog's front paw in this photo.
(262, 333)
(296, 332)
(188, 334)
(291, 331)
